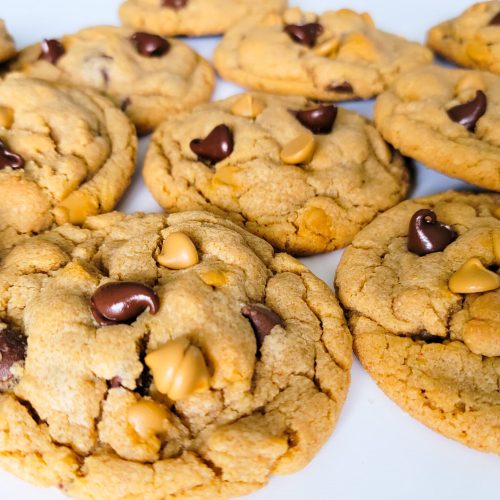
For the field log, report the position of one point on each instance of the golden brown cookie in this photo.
(422, 287)
(192, 17)
(164, 356)
(147, 76)
(65, 153)
(306, 177)
(446, 119)
(334, 56)
(472, 39)
(7, 46)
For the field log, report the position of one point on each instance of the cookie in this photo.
(422, 290)
(65, 153)
(334, 56)
(472, 39)
(7, 46)
(146, 75)
(304, 176)
(164, 356)
(192, 17)
(446, 119)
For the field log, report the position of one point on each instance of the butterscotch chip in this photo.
(299, 150)
(178, 252)
(6, 117)
(327, 47)
(430, 342)
(188, 390)
(248, 106)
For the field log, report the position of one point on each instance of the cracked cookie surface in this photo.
(147, 87)
(65, 153)
(471, 39)
(192, 17)
(65, 413)
(304, 208)
(7, 46)
(434, 352)
(349, 59)
(413, 116)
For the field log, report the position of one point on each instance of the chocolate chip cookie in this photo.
(7, 46)
(472, 39)
(305, 176)
(422, 287)
(334, 56)
(154, 356)
(65, 153)
(146, 75)
(192, 17)
(448, 120)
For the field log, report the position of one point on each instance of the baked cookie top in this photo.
(146, 75)
(337, 55)
(447, 119)
(65, 153)
(472, 39)
(304, 176)
(422, 287)
(7, 46)
(154, 356)
(192, 17)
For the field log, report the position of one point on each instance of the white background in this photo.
(377, 451)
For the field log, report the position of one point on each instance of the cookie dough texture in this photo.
(65, 423)
(302, 209)
(7, 46)
(412, 116)
(258, 54)
(148, 89)
(196, 18)
(469, 40)
(412, 334)
(79, 153)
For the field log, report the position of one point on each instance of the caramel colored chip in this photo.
(299, 150)
(148, 418)
(248, 106)
(225, 175)
(496, 212)
(6, 117)
(179, 369)
(178, 252)
(473, 277)
(76, 208)
(213, 278)
(327, 47)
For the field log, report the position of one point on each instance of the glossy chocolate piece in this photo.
(428, 235)
(9, 158)
(13, 346)
(341, 88)
(262, 319)
(305, 34)
(318, 120)
(469, 113)
(174, 4)
(216, 146)
(149, 45)
(52, 51)
(122, 302)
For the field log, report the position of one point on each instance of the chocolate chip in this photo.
(174, 4)
(469, 113)
(342, 88)
(427, 234)
(122, 302)
(12, 351)
(306, 34)
(52, 50)
(318, 120)
(9, 158)
(428, 338)
(216, 146)
(495, 21)
(262, 319)
(149, 45)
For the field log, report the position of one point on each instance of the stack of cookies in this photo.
(187, 354)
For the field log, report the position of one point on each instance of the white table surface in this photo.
(377, 450)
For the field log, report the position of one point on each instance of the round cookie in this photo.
(164, 356)
(192, 17)
(422, 288)
(472, 39)
(338, 55)
(262, 161)
(65, 153)
(147, 76)
(446, 119)
(7, 46)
